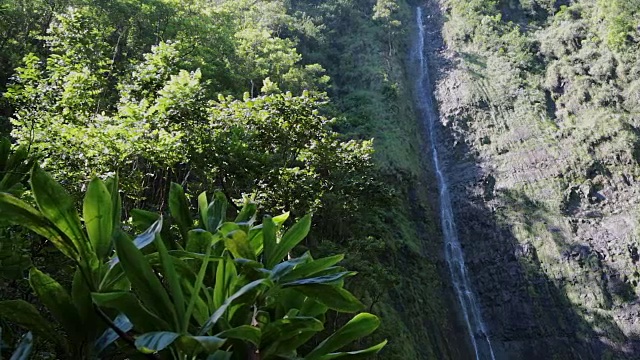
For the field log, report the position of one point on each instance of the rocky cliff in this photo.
(540, 126)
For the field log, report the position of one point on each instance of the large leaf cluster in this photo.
(211, 289)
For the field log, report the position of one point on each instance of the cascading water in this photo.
(453, 251)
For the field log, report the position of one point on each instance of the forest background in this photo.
(297, 105)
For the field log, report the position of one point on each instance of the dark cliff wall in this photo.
(540, 125)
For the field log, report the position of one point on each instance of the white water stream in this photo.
(453, 251)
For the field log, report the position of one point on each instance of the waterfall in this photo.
(453, 251)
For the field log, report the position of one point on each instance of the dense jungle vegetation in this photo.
(117, 114)
(246, 179)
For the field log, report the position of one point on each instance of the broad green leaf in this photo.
(216, 212)
(114, 279)
(288, 346)
(285, 267)
(327, 279)
(251, 264)
(360, 326)
(194, 345)
(172, 279)
(81, 297)
(187, 255)
(23, 351)
(143, 220)
(356, 355)
(312, 267)
(247, 213)
(179, 207)
(313, 308)
(109, 336)
(201, 274)
(13, 161)
(332, 296)
(199, 241)
(143, 280)
(203, 206)
(155, 341)
(287, 299)
(237, 243)
(228, 302)
(291, 238)
(17, 212)
(255, 240)
(227, 228)
(269, 242)
(13, 168)
(280, 219)
(247, 272)
(116, 201)
(142, 240)
(220, 355)
(98, 216)
(57, 205)
(58, 302)
(128, 304)
(289, 327)
(225, 274)
(246, 333)
(8, 161)
(27, 316)
(200, 311)
(182, 268)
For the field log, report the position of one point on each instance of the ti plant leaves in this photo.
(179, 206)
(98, 217)
(225, 290)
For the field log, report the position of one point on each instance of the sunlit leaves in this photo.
(282, 146)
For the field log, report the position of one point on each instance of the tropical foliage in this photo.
(229, 95)
(227, 289)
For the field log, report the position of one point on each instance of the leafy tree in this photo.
(621, 18)
(87, 113)
(126, 87)
(163, 124)
(264, 51)
(21, 23)
(384, 10)
(281, 146)
(62, 115)
(261, 55)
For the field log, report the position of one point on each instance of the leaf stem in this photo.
(197, 287)
(123, 335)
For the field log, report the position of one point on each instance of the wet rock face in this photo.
(518, 302)
(561, 282)
(548, 222)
